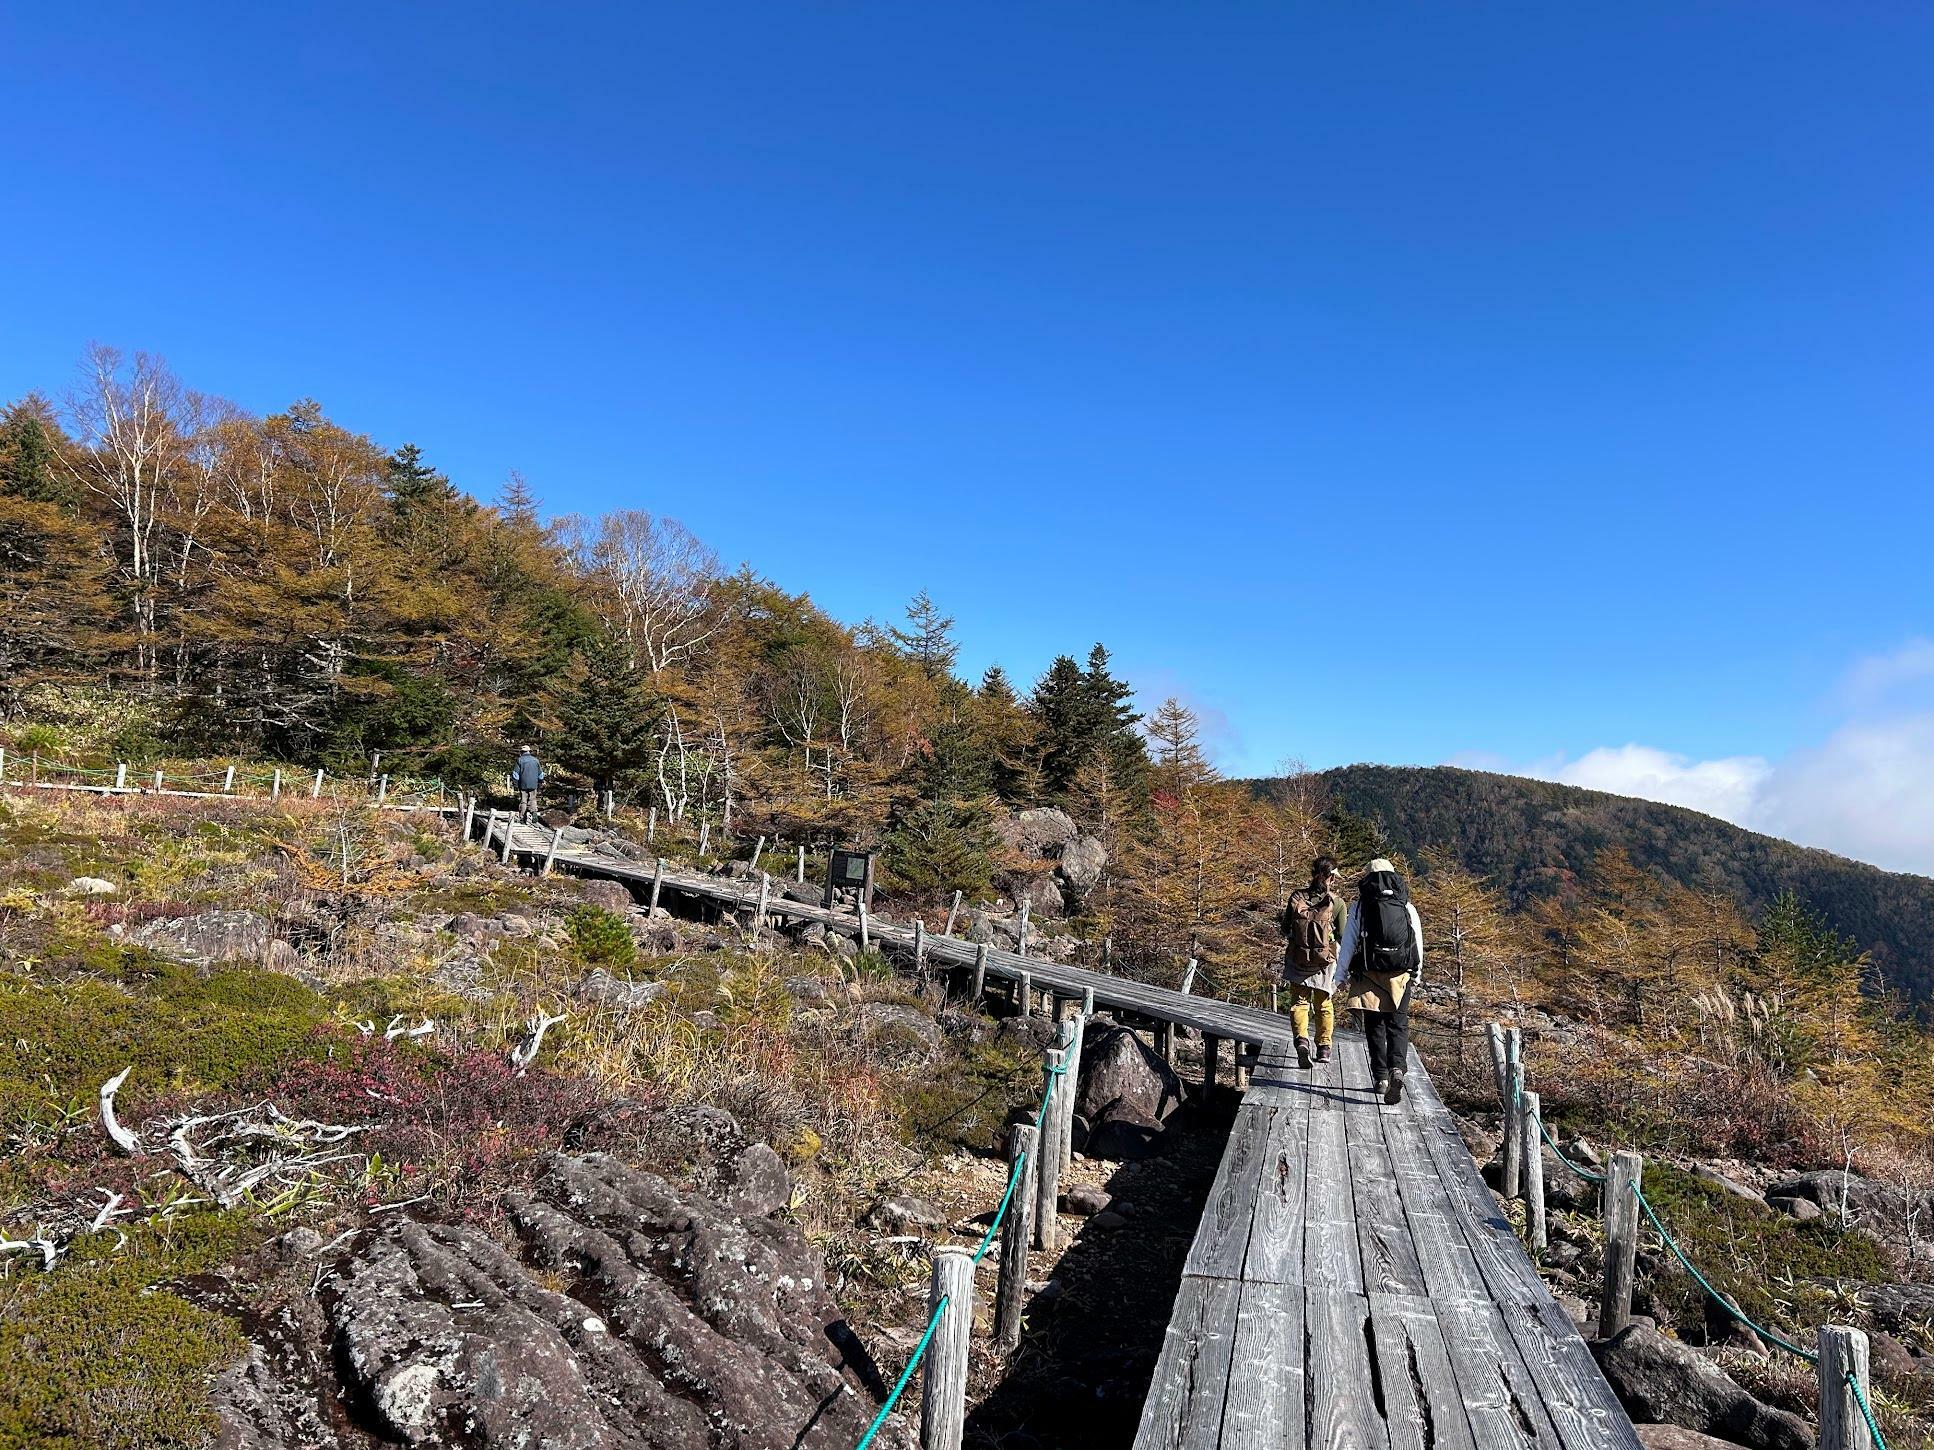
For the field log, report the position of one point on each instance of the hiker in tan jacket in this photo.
(1313, 922)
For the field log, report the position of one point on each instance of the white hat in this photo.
(1380, 864)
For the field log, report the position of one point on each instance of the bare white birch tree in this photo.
(659, 578)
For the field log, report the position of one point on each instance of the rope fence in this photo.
(1847, 1348)
(28, 772)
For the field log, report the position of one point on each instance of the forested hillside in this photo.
(1535, 839)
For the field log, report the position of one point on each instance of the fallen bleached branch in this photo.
(522, 1057)
(126, 1141)
(396, 1028)
(48, 1250)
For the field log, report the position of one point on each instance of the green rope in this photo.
(1867, 1410)
(1013, 1180)
(1717, 1297)
(1584, 1173)
(905, 1375)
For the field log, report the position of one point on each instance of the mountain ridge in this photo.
(1527, 834)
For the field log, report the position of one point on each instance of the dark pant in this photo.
(527, 804)
(1388, 1034)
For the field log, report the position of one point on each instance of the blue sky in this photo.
(1570, 367)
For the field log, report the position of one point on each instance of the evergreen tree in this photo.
(517, 502)
(29, 463)
(934, 847)
(1007, 736)
(607, 714)
(928, 639)
(1064, 725)
(412, 483)
(1354, 839)
(956, 764)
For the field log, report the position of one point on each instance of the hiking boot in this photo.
(1393, 1091)
(1302, 1052)
(1382, 1088)
(1323, 1052)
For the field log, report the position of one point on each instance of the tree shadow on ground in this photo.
(1088, 1348)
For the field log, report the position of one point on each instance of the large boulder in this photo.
(706, 1146)
(1043, 897)
(1040, 832)
(209, 937)
(1676, 1437)
(1119, 1071)
(1900, 1308)
(1082, 861)
(906, 1032)
(613, 896)
(647, 1319)
(619, 992)
(1126, 1135)
(1660, 1380)
(1868, 1204)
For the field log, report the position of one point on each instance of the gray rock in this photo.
(1868, 1203)
(1660, 1380)
(904, 1031)
(1125, 1135)
(810, 989)
(703, 1320)
(1675, 1437)
(903, 1211)
(1900, 1308)
(1707, 1174)
(619, 992)
(707, 1146)
(208, 937)
(91, 886)
(1083, 860)
(279, 956)
(1040, 832)
(1892, 1361)
(1804, 1209)
(613, 896)
(1109, 1219)
(513, 924)
(467, 926)
(299, 1243)
(1043, 897)
(1085, 1200)
(1119, 1070)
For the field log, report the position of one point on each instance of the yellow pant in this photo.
(1300, 1001)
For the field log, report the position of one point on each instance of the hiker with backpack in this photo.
(1383, 953)
(527, 778)
(1314, 923)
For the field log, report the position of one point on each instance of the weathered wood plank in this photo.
(1585, 1412)
(1343, 1409)
(1422, 1402)
(1499, 1395)
(1390, 1258)
(1183, 1410)
(1330, 1256)
(1264, 1409)
(1276, 1233)
(1222, 1238)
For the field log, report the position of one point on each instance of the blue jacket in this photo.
(528, 773)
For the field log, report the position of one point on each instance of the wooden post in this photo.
(275, 785)
(1843, 1352)
(1022, 939)
(1211, 1050)
(953, 913)
(1534, 1175)
(919, 946)
(510, 830)
(651, 826)
(550, 856)
(157, 779)
(1621, 1241)
(228, 780)
(866, 938)
(1087, 1001)
(1108, 950)
(1025, 993)
(469, 816)
(610, 803)
(382, 789)
(490, 829)
(1275, 998)
(315, 791)
(1513, 1114)
(758, 850)
(1188, 977)
(1500, 1074)
(1240, 1063)
(1016, 1234)
(1165, 1042)
(704, 836)
(765, 896)
(1047, 1185)
(801, 875)
(943, 1401)
(121, 776)
(980, 970)
(3, 765)
(1073, 1034)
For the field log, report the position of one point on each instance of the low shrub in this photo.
(600, 938)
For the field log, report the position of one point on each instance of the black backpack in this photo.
(1390, 948)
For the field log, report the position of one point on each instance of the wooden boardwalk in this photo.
(1353, 1286)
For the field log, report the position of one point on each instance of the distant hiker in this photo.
(526, 778)
(1383, 952)
(1314, 923)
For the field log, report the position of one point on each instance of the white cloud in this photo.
(1727, 788)
(1866, 791)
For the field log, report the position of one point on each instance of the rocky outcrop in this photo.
(1060, 862)
(1083, 860)
(211, 937)
(627, 1316)
(1869, 1204)
(1039, 833)
(1661, 1380)
(1120, 1072)
(706, 1147)
(613, 896)
(619, 992)
(901, 1031)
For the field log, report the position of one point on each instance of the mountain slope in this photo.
(1526, 833)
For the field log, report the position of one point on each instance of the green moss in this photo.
(964, 1099)
(97, 1355)
(1775, 1268)
(179, 1029)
